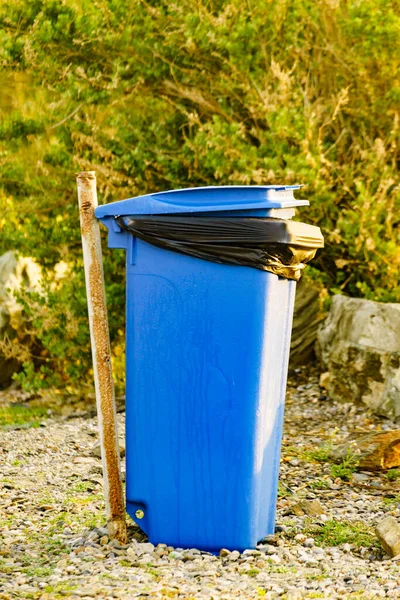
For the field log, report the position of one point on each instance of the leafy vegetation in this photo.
(346, 467)
(392, 500)
(393, 474)
(320, 454)
(335, 533)
(155, 96)
(20, 416)
(319, 484)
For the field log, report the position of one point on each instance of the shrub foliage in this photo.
(160, 95)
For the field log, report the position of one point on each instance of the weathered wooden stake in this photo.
(101, 353)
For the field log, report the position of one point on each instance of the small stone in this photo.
(104, 540)
(234, 555)
(278, 529)
(275, 559)
(312, 508)
(77, 542)
(308, 542)
(251, 552)
(388, 533)
(146, 558)
(307, 558)
(224, 552)
(115, 544)
(267, 549)
(300, 537)
(272, 538)
(360, 477)
(324, 518)
(346, 547)
(145, 548)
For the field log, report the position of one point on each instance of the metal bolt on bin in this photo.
(210, 284)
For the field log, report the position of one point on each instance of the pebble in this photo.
(267, 549)
(275, 558)
(324, 518)
(360, 477)
(306, 558)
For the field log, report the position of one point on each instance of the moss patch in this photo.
(15, 415)
(335, 533)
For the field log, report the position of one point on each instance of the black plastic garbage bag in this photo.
(275, 245)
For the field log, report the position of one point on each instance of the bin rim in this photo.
(205, 199)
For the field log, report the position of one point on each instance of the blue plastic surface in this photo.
(205, 199)
(206, 367)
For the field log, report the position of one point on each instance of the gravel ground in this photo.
(53, 543)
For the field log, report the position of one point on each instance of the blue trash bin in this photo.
(207, 349)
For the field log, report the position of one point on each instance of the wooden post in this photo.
(101, 353)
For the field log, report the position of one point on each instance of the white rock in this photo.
(145, 548)
(251, 552)
(359, 345)
(324, 518)
(267, 549)
(275, 559)
(15, 274)
(388, 533)
(306, 558)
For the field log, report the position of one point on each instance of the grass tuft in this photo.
(335, 533)
(20, 416)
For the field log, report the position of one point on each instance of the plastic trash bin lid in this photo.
(205, 199)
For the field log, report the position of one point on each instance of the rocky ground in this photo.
(53, 543)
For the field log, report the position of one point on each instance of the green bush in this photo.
(161, 95)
